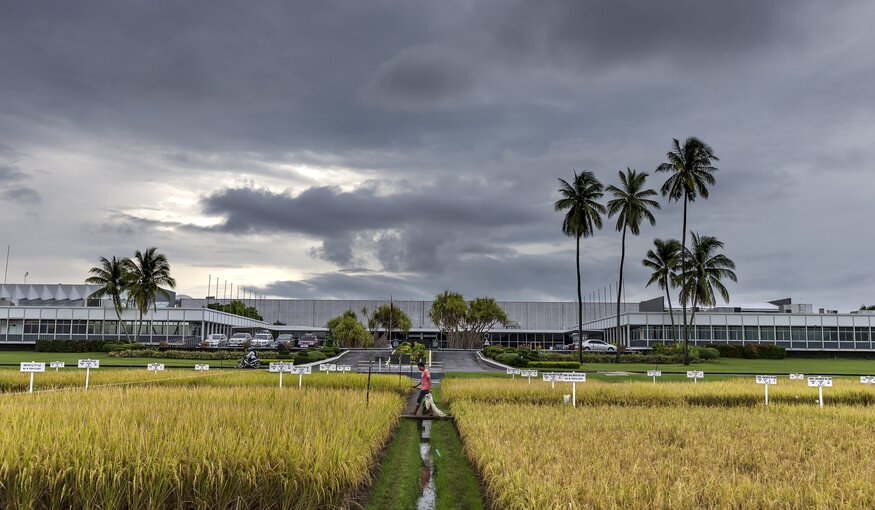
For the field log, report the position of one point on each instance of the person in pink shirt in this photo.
(424, 385)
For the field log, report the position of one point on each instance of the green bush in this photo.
(69, 345)
(492, 351)
(512, 358)
(176, 354)
(121, 346)
(309, 357)
(766, 351)
(728, 350)
(708, 353)
(554, 364)
(751, 351)
(556, 356)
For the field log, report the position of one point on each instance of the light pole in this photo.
(25, 277)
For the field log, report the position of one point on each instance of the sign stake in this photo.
(30, 390)
(820, 395)
(87, 373)
(574, 394)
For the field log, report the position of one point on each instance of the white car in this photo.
(598, 345)
(216, 340)
(237, 339)
(263, 341)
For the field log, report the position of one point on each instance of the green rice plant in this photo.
(179, 447)
(681, 456)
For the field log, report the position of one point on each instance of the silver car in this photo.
(598, 345)
(263, 341)
(216, 340)
(237, 339)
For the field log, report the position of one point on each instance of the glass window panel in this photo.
(862, 334)
(830, 334)
(95, 327)
(846, 334)
(3, 326)
(735, 333)
(782, 333)
(703, 332)
(719, 332)
(767, 333)
(63, 327)
(47, 327)
(797, 333)
(751, 334)
(815, 334)
(31, 326)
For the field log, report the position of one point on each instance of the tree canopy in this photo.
(465, 323)
(346, 331)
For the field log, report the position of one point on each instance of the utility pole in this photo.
(6, 273)
(209, 286)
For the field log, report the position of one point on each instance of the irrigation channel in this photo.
(428, 498)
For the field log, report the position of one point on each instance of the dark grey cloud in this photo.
(417, 144)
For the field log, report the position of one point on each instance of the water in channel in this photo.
(428, 497)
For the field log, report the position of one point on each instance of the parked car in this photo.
(237, 339)
(308, 340)
(286, 339)
(216, 340)
(598, 345)
(263, 340)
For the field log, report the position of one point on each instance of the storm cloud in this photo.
(338, 149)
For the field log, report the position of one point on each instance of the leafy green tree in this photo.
(465, 323)
(113, 277)
(237, 307)
(706, 270)
(346, 331)
(149, 270)
(631, 204)
(692, 172)
(581, 199)
(663, 260)
(387, 318)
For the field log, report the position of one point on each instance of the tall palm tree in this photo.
(692, 173)
(664, 260)
(706, 268)
(112, 276)
(632, 204)
(581, 199)
(148, 270)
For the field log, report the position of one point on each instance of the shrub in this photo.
(511, 358)
(707, 353)
(492, 351)
(751, 351)
(771, 351)
(556, 356)
(69, 345)
(177, 354)
(309, 357)
(554, 364)
(728, 351)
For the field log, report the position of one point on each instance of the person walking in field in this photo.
(424, 385)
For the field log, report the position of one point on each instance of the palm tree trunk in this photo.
(139, 326)
(620, 293)
(683, 283)
(118, 313)
(579, 308)
(670, 312)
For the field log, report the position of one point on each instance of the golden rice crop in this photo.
(734, 392)
(14, 381)
(181, 447)
(782, 457)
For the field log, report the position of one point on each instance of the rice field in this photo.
(735, 392)
(72, 378)
(235, 442)
(781, 456)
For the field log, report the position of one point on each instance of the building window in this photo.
(703, 333)
(751, 334)
(720, 333)
(79, 327)
(861, 334)
(815, 334)
(830, 334)
(782, 333)
(3, 326)
(767, 333)
(735, 334)
(47, 327)
(110, 327)
(31, 327)
(63, 327)
(95, 328)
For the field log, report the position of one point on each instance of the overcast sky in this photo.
(361, 149)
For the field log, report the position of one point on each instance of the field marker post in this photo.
(820, 382)
(767, 380)
(654, 374)
(368, 393)
(32, 367)
(56, 365)
(573, 378)
(88, 364)
(574, 394)
(695, 375)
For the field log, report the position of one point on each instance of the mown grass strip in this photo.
(455, 481)
(397, 487)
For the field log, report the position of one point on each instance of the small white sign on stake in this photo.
(767, 380)
(155, 367)
(280, 367)
(323, 367)
(56, 365)
(32, 367)
(301, 371)
(820, 382)
(529, 374)
(512, 372)
(201, 368)
(88, 364)
(867, 379)
(344, 368)
(654, 374)
(797, 377)
(695, 375)
(573, 378)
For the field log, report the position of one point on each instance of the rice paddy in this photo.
(178, 440)
(668, 445)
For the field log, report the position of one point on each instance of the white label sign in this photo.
(201, 368)
(820, 381)
(332, 368)
(280, 366)
(654, 373)
(695, 374)
(513, 371)
(89, 363)
(867, 379)
(529, 373)
(323, 367)
(767, 379)
(569, 377)
(155, 367)
(56, 364)
(344, 368)
(797, 377)
(300, 370)
(32, 366)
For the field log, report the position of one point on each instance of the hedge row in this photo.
(549, 365)
(750, 351)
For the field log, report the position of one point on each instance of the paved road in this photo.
(461, 361)
(353, 357)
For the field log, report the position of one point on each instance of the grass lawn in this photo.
(71, 358)
(398, 484)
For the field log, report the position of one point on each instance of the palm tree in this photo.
(632, 204)
(113, 277)
(705, 270)
(584, 215)
(664, 260)
(692, 173)
(148, 271)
